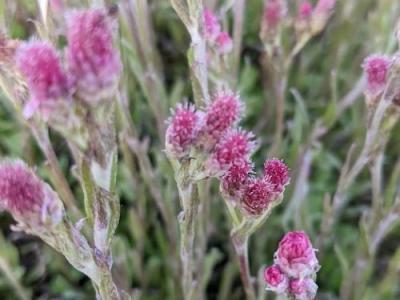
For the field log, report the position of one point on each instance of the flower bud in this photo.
(273, 15)
(303, 289)
(305, 10)
(278, 174)
(39, 63)
(211, 26)
(224, 43)
(235, 178)
(26, 197)
(222, 113)
(92, 59)
(276, 280)
(183, 129)
(376, 69)
(236, 145)
(296, 256)
(258, 193)
(322, 12)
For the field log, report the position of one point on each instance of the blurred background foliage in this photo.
(322, 74)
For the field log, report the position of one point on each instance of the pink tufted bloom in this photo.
(278, 174)
(376, 69)
(26, 197)
(276, 280)
(305, 10)
(39, 63)
(183, 129)
(224, 43)
(296, 256)
(235, 178)
(222, 113)
(236, 145)
(92, 60)
(274, 12)
(303, 289)
(211, 26)
(257, 195)
(324, 6)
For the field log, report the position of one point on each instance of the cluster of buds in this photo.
(313, 19)
(216, 38)
(92, 65)
(308, 19)
(376, 69)
(295, 266)
(38, 210)
(224, 150)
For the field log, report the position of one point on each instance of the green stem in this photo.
(19, 290)
(105, 288)
(240, 243)
(190, 202)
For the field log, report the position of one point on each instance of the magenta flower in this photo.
(296, 256)
(305, 10)
(236, 177)
(26, 197)
(92, 60)
(211, 26)
(274, 12)
(222, 113)
(257, 195)
(183, 129)
(236, 145)
(276, 280)
(40, 64)
(376, 69)
(302, 289)
(324, 7)
(278, 174)
(224, 43)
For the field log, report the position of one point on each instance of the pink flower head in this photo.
(40, 64)
(236, 145)
(324, 7)
(296, 256)
(305, 10)
(257, 195)
(278, 174)
(211, 26)
(274, 12)
(183, 129)
(92, 60)
(235, 178)
(376, 69)
(303, 289)
(25, 196)
(222, 113)
(224, 43)
(276, 280)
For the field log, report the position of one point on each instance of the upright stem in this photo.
(190, 202)
(105, 288)
(240, 244)
(58, 178)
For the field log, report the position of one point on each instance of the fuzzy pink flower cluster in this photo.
(322, 9)
(47, 80)
(91, 57)
(25, 196)
(274, 12)
(221, 40)
(376, 69)
(295, 267)
(92, 69)
(227, 150)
